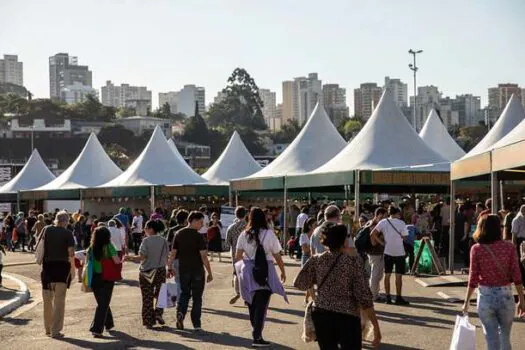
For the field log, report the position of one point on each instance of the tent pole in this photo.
(285, 209)
(18, 202)
(451, 238)
(357, 191)
(81, 201)
(230, 199)
(152, 199)
(236, 198)
(494, 191)
(501, 195)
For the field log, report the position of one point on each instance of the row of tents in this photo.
(387, 156)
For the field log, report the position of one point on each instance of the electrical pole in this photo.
(414, 68)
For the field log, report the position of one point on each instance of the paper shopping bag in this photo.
(464, 336)
(167, 296)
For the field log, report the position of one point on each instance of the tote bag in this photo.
(167, 296)
(464, 336)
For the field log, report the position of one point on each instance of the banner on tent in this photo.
(406, 178)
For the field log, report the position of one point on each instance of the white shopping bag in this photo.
(464, 336)
(167, 296)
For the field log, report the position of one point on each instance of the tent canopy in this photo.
(437, 137)
(317, 143)
(511, 116)
(386, 141)
(92, 167)
(234, 162)
(156, 165)
(34, 174)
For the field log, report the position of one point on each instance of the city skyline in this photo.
(469, 63)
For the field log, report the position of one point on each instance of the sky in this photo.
(469, 45)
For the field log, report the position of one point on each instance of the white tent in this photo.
(516, 135)
(92, 167)
(157, 165)
(317, 143)
(386, 141)
(34, 174)
(437, 137)
(234, 162)
(511, 116)
(175, 150)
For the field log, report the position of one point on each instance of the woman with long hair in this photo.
(494, 267)
(9, 224)
(101, 248)
(254, 291)
(342, 293)
(304, 241)
(153, 258)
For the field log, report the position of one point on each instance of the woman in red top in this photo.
(493, 267)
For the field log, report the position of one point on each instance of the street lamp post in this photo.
(414, 68)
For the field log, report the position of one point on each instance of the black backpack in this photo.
(363, 241)
(260, 269)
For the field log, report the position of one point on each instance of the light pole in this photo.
(414, 68)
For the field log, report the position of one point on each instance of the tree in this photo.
(124, 112)
(117, 134)
(91, 109)
(288, 132)
(13, 103)
(118, 155)
(352, 128)
(164, 112)
(470, 136)
(196, 130)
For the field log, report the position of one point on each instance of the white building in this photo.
(126, 95)
(171, 98)
(64, 71)
(76, 93)
(139, 124)
(427, 99)
(220, 97)
(11, 71)
(187, 97)
(269, 109)
(334, 101)
(399, 91)
(306, 92)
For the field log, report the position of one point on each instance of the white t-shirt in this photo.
(269, 241)
(393, 242)
(204, 228)
(301, 219)
(137, 223)
(303, 239)
(117, 238)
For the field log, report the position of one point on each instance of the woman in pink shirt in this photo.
(494, 267)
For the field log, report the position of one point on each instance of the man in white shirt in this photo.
(118, 238)
(137, 227)
(395, 233)
(301, 219)
(204, 229)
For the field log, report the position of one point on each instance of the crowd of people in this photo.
(338, 256)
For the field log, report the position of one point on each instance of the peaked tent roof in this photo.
(34, 174)
(516, 135)
(511, 116)
(437, 137)
(316, 144)
(175, 150)
(386, 141)
(92, 167)
(156, 165)
(234, 162)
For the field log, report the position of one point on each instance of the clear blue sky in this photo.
(469, 45)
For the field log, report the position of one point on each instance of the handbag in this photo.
(308, 322)
(87, 274)
(167, 296)
(149, 275)
(464, 336)
(40, 248)
(110, 271)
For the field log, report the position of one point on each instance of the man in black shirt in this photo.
(190, 249)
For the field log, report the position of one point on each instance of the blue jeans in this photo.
(192, 285)
(175, 267)
(496, 308)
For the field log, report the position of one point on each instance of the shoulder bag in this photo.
(504, 273)
(308, 322)
(149, 275)
(40, 247)
(406, 246)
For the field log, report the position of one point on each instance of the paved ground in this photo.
(426, 324)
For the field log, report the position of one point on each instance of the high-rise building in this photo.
(11, 71)
(288, 101)
(269, 100)
(170, 98)
(187, 97)
(366, 99)
(446, 111)
(65, 71)
(469, 110)
(427, 99)
(76, 93)
(125, 95)
(300, 97)
(220, 97)
(499, 97)
(334, 101)
(398, 89)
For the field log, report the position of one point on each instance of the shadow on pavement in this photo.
(243, 316)
(129, 283)
(391, 347)
(15, 321)
(414, 320)
(299, 313)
